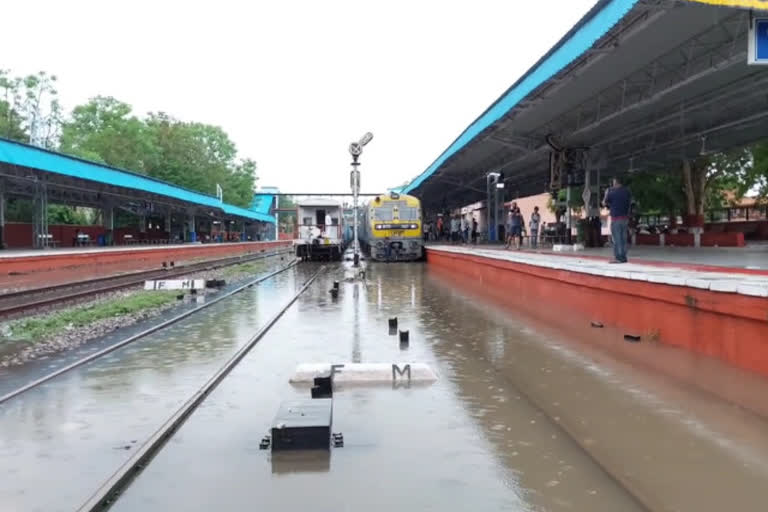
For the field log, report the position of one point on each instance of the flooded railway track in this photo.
(521, 419)
(131, 339)
(16, 303)
(111, 489)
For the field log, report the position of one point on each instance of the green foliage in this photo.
(11, 121)
(60, 214)
(103, 130)
(39, 327)
(558, 207)
(18, 210)
(657, 193)
(30, 109)
(192, 155)
(755, 176)
(22, 210)
(714, 179)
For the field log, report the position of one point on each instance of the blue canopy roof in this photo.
(262, 203)
(16, 153)
(600, 19)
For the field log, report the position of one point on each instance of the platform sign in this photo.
(175, 284)
(758, 42)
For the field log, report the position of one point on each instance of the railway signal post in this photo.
(356, 149)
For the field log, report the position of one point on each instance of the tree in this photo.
(104, 130)
(60, 214)
(754, 177)
(11, 121)
(706, 179)
(240, 183)
(40, 109)
(657, 193)
(200, 156)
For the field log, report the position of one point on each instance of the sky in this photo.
(294, 82)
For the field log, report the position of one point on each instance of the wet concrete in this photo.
(63, 438)
(524, 416)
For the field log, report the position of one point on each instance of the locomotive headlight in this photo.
(379, 226)
(413, 226)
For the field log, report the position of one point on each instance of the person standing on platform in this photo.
(455, 226)
(474, 231)
(440, 227)
(534, 227)
(619, 200)
(515, 226)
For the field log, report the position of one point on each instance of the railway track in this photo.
(96, 355)
(14, 303)
(111, 489)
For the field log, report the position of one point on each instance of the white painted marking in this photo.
(364, 373)
(175, 284)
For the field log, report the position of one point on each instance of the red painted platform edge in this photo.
(52, 261)
(726, 326)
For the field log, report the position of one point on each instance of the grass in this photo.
(35, 328)
(241, 268)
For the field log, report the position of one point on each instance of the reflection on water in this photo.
(511, 424)
(414, 448)
(91, 418)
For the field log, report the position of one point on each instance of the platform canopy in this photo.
(74, 181)
(642, 84)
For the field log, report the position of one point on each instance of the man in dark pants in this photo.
(619, 200)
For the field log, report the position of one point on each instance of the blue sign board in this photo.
(761, 39)
(758, 41)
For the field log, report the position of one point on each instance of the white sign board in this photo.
(365, 373)
(175, 284)
(758, 42)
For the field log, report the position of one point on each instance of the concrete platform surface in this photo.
(726, 280)
(60, 251)
(752, 257)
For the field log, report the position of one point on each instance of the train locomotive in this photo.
(392, 228)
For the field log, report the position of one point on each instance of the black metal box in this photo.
(303, 425)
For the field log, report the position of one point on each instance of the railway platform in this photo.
(753, 258)
(20, 269)
(707, 308)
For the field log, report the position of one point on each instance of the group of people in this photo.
(463, 229)
(516, 226)
(457, 229)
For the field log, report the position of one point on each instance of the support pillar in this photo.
(192, 234)
(168, 226)
(40, 216)
(142, 224)
(109, 224)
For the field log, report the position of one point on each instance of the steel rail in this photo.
(110, 490)
(138, 336)
(119, 282)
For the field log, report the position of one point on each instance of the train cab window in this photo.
(409, 213)
(307, 221)
(334, 221)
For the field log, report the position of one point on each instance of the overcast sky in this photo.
(294, 82)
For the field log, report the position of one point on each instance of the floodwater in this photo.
(58, 441)
(523, 417)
